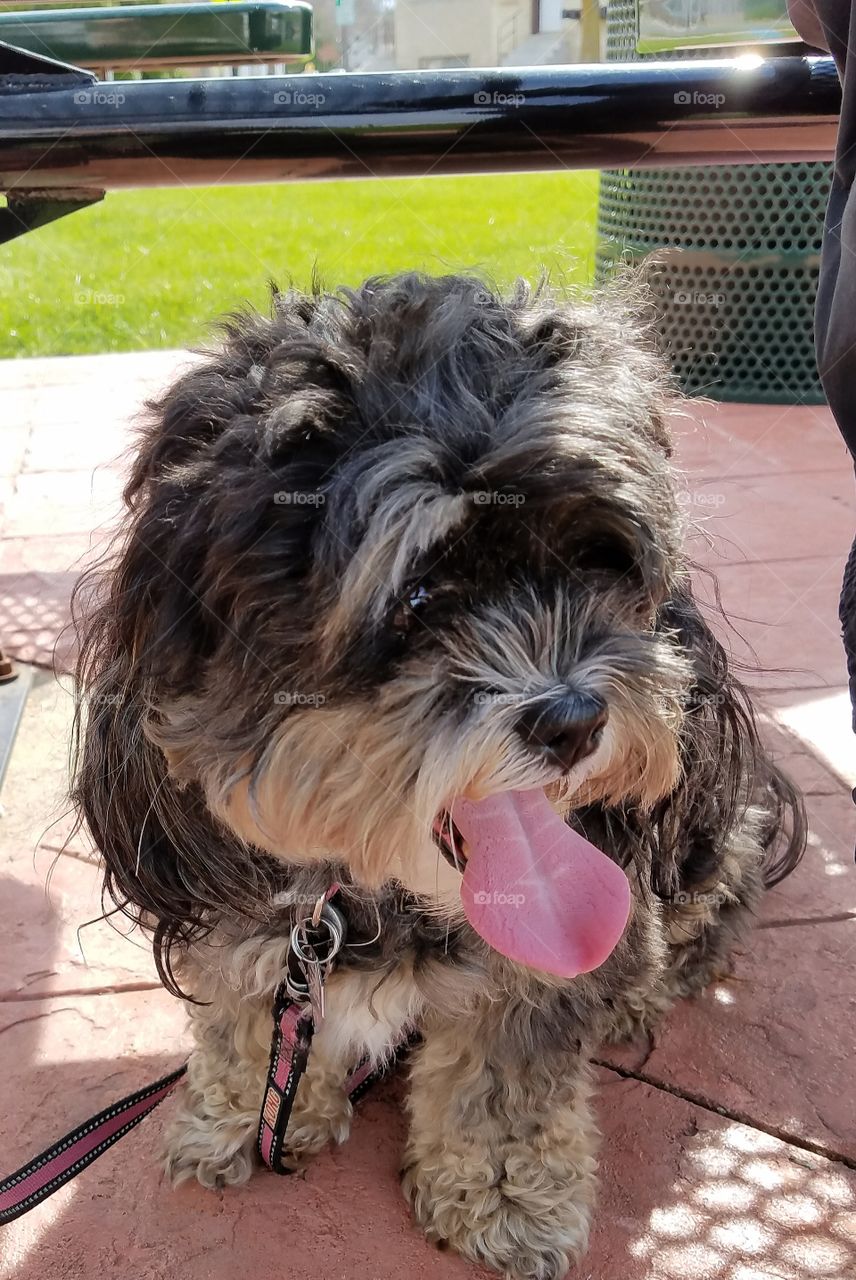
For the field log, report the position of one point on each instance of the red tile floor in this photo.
(729, 1145)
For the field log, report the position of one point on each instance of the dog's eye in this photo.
(606, 556)
(408, 608)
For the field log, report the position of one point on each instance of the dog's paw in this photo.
(321, 1115)
(522, 1221)
(637, 1017)
(218, 1153)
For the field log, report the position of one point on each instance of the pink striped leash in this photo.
(294, 1026)
(44, 1175)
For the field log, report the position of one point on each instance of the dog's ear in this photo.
(149, 621)
(122, 792)
(611, 340)
(168, 865)
(554, 335)
(725, 768)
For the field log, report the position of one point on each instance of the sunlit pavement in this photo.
(729, 1144)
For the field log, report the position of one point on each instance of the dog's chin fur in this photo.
(365, 537)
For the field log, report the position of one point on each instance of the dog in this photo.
(402, 604)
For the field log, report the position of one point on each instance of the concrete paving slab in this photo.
(759, 519)
(782, 630)
(794, 751)
(691, 1195)
(756, 439)
(767, 1041)
(823, 721)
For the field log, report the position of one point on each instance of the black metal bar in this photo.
(20, 69)
(25, 212)
(283, 128)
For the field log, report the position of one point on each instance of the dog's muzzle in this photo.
(564, 730)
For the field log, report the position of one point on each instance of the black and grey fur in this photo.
(365, 537)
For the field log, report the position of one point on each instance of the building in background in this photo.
(355, 35)
(489, 33)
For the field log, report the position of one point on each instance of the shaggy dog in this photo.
(402, 581)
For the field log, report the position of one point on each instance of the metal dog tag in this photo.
(315, 983)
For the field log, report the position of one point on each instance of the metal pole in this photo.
(285, 128)
(590, 31)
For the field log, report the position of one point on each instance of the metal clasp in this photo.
(315, 941)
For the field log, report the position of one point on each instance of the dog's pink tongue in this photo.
(536, 890)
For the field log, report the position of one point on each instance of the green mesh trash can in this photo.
(738, 251)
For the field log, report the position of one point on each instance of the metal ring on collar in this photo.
(306, 952)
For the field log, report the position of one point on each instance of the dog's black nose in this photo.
(564, 730)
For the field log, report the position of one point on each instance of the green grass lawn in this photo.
(149, 269)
